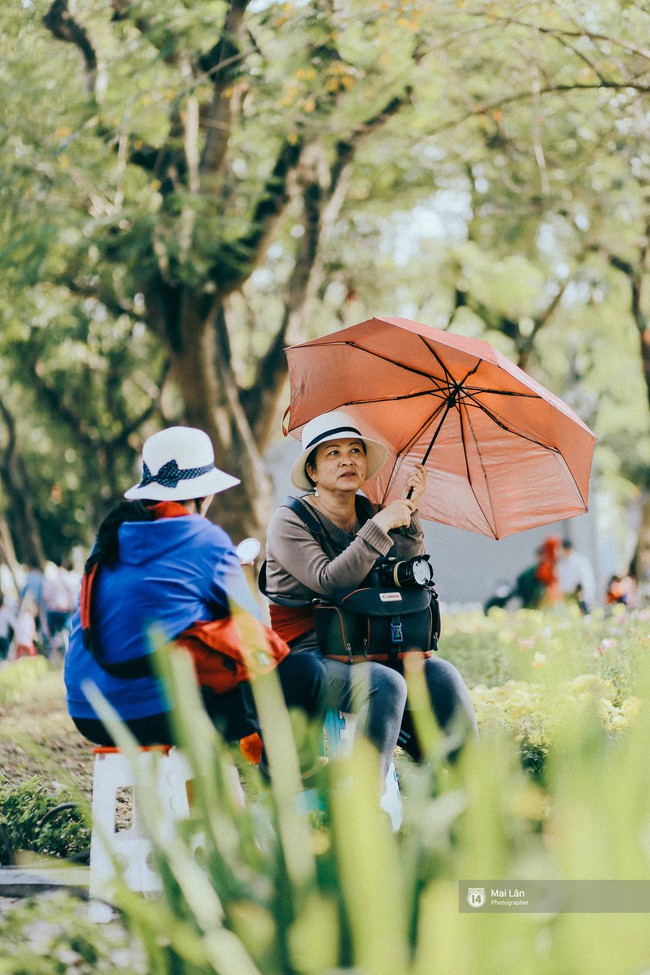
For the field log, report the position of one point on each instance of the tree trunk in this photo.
(7, 551)
(24, 527)
(209, 391)
(635, 276)
(13, 475)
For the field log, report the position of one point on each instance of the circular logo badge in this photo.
(476, 896)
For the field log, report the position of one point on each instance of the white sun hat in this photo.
(178, 465)
(336, 425)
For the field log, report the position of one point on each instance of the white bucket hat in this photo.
(334, 426)
(178, 465)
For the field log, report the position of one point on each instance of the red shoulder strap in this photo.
(87, 582)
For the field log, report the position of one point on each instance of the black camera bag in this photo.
(377, 624)
(370, 623)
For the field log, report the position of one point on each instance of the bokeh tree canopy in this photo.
(189, 185)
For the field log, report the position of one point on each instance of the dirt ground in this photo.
(37, 738)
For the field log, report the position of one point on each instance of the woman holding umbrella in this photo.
(336, 461)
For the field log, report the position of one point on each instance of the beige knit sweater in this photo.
(301, 566)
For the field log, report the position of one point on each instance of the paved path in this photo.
(35, 919)
(26, 881)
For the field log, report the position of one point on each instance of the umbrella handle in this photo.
(451, 401)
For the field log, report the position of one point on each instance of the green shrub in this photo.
(534, 715)
(28, 822)
(527, 644)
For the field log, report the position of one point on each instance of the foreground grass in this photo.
(274, 897)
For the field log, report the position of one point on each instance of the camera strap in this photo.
(314, 525)
(365, 510)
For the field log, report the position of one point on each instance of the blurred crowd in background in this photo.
(558, 575)
(35, 616)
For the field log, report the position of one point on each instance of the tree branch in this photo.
(237, 261)
(323, 197)
(163, 41)
(60, 21)
(110, 301)
(219, 64)
(556, 32)
(524, 343)
(635, 275)
(565, 43)
(58, 407)
(485, 108)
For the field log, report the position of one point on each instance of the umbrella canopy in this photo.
(503, 454)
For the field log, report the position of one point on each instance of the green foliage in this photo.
(531, 669)
(483, 166)
(562, 644)
(28, 822)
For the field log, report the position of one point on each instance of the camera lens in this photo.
(422, 572)
(415, 572)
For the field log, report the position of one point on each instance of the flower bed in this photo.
(532, 673)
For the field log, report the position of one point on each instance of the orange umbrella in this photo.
(503, 454)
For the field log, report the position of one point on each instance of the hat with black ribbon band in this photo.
(178, 465)
(332, 426)
(170, 474)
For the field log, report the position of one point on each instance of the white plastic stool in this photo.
(339, 730)
(130, 847)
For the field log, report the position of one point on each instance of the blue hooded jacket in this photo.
(172, 572)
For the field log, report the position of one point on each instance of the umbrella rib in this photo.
(471, 390)
(460, 386)
(435, 355)
(387, 358)
(404, 450)
(455, 385)
(492, 520)
(451, 400)
(501, 392)
(504, 426)
(395, 399)
(524, 436)
(539, 443)
(470, 393)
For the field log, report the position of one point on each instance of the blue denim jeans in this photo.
(377, 694)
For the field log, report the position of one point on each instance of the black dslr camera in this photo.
(403, 574)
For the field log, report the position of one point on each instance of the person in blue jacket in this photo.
(159, 565)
